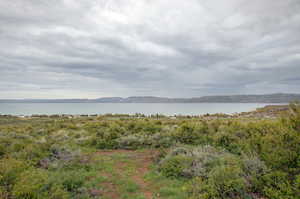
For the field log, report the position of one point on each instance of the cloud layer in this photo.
(89, 49)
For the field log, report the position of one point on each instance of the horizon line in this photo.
(148, 96)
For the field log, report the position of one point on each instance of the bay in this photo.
(126, 108)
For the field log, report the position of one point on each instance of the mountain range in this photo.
(266, 98)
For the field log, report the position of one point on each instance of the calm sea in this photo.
(124, 108)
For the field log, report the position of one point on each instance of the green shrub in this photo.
(33, 153)
(175, 166)
(2, 150)
(57, 192)
(215, 173)
(228, 182)
(106, 144)
(254, 169)
(228, 141)
(131, 141)
(159, 140)
(32, 184)
(10, 169)
(40, 184)
(297, 185)
(4, 194)
(223, 182)
(72, 180)
(293, 118)
(191, 134)
(138, 141)
(202, 159)
(59, 157)
(277, 186)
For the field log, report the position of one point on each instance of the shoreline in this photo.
(268, 111)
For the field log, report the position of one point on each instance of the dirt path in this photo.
(142, 160)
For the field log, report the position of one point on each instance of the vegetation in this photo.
(122, 156)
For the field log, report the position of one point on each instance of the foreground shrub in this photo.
(4, 194)
(10, 169)
(202, 159)
(35, 184)
(254, 169)
(215, 173)
(59, 157)
(277, 186)
(72, 180)
(175, 166)
(223, 182)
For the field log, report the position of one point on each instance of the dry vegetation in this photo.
(121, 156)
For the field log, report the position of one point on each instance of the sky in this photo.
(102, 48)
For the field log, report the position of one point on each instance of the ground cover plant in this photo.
(135, 156)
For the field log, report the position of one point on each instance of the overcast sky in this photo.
(178, 48)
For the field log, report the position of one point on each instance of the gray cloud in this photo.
(69, 49)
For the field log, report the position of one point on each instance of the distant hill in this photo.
(268, 98)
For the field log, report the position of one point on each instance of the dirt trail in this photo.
(143, 160)
(142, 169)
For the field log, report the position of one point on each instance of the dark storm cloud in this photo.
(68, 48)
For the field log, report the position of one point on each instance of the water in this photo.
(126, 108)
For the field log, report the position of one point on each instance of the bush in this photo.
(10, 169)
(32, 184)
(138, 141)
(228, 182)
(276, 186)
(228, 141)
(223, 182)
(297, 185)
(175, 166)
(253, 169)
(38, 184)
(203, 159)
(191, 134)
(33, 153)
(59, 157)
(293, 119)
(57, 192)
(2, 150)
(215, 173)
(131, 142)
(72, 180)
(4, 194)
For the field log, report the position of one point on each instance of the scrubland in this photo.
(138, 157)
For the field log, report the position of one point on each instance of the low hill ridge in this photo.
(266, 98)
